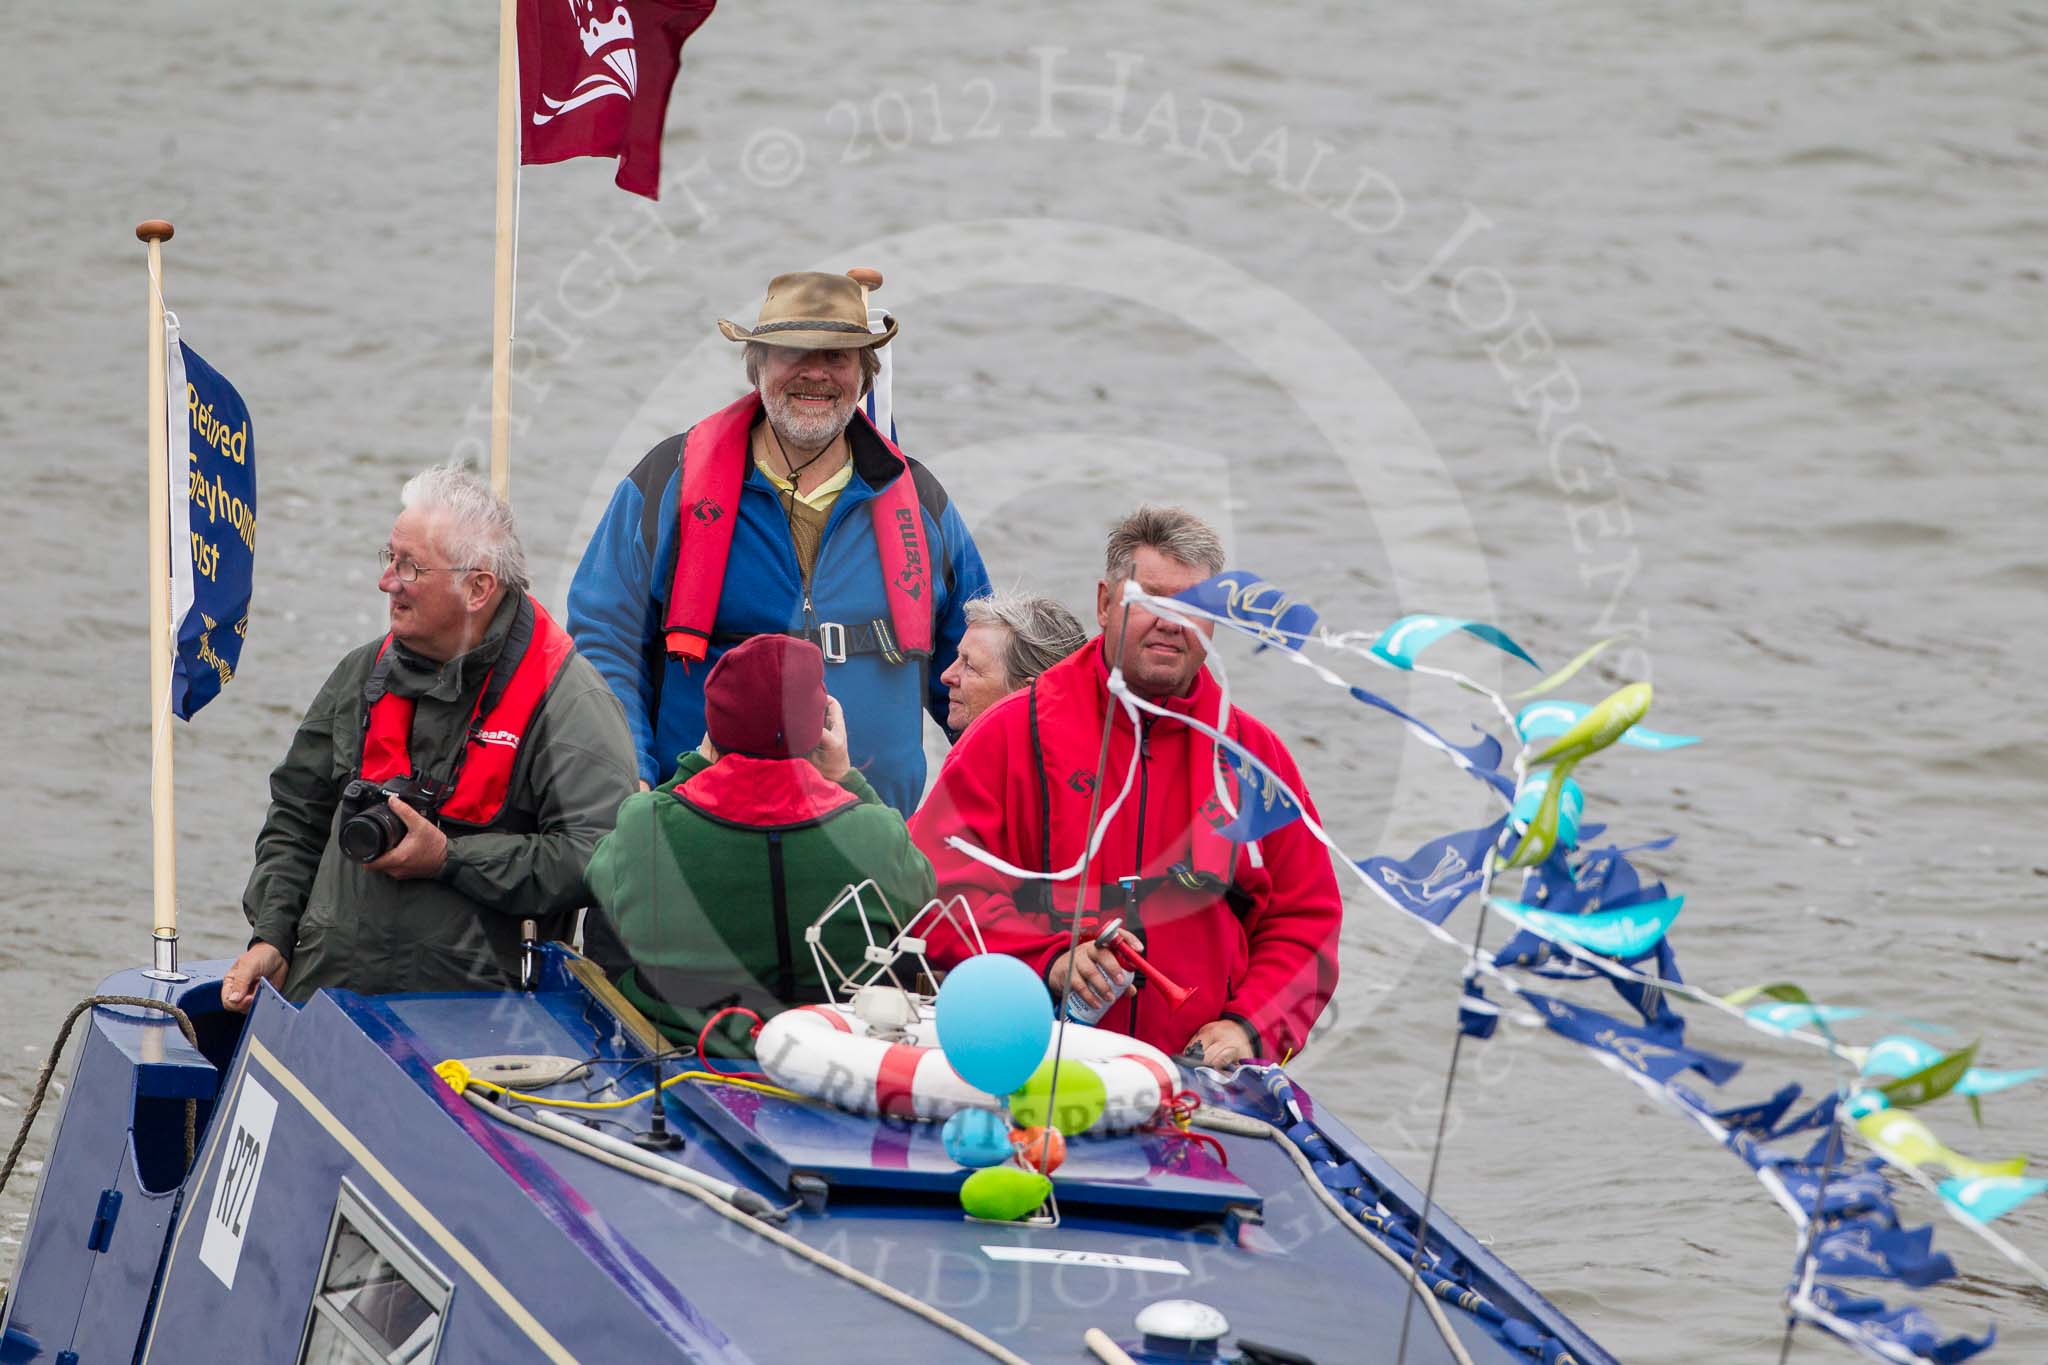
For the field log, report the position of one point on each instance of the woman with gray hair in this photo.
(1011, 638)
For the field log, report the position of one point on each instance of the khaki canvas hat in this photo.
(810, 311)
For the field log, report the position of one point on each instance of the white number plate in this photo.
(1101, 1260)
(234, 1190)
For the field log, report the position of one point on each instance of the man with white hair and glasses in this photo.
(445, 789)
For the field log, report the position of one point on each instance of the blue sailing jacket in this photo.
(619, 599)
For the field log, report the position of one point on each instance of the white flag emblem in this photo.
(610, 40)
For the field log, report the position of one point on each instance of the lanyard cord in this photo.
(796, 469)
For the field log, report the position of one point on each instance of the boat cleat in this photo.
(1180, 1329)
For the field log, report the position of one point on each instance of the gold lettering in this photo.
(205, 558)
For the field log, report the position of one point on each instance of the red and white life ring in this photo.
(827, 1053)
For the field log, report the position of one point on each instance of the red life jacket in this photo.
(498, 724)
(715, 464)
(1073, 697)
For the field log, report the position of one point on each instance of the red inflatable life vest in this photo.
(484, 774)
(714, 466)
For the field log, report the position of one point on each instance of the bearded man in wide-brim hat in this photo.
(785, 513)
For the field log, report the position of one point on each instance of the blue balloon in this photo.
(976, 1138)
(1571, 804)
(994, 1018)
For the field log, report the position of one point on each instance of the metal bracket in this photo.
(529, 955)
(163, 955)
(102, 1235)
(811, 1189)
(832, 641)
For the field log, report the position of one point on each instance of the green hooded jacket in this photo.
(341, 924)
(684, 907)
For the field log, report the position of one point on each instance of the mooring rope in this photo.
(1245, 1125)
(35, 1101)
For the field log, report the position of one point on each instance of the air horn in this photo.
(1109, 939)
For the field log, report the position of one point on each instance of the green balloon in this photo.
(1073, 1109)
(1004, 1193)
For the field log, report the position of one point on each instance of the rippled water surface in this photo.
(1719, 325)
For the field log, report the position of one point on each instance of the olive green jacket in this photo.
(683, 900)
(341, 924)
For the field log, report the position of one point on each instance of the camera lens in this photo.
(372, 834)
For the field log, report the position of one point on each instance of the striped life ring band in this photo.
(827, 1053)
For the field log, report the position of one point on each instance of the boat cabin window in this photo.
(378, 1301)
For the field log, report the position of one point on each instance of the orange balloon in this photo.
(1039, 1149)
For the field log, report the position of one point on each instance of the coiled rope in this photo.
(35, 1101)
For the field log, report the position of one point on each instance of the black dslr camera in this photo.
(369, 828)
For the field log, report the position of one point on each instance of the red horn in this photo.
(1175, 993)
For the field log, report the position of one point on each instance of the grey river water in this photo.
(1717, 324)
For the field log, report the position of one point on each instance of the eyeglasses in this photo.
(407, 570)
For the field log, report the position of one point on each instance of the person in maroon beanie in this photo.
(702, 894)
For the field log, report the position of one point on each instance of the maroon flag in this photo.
(594, 80)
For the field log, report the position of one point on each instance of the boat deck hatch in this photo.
(783, 1138)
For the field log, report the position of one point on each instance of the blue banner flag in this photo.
(1478, 1017)
(1605, 878)
(1481, 759)
(1436, 878)
(1267, 613)
(1760, 1119)
(1875, 1246)
(1254, 606)
(1839, 1194)
(1655, 1053)
(1262, 805)
(212, 473)
(1885, 1332)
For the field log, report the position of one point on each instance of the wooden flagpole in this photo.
(501, 305)
(164, 947)
(869, 279)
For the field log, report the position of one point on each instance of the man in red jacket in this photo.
(1251, 929)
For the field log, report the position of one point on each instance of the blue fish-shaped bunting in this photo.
(1873, 1246)
(1254, 606)
(1263, 805)
(1655, 1053)
(1436, 878)
(1883, 1332)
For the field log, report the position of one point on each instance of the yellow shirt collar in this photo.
(818, 498)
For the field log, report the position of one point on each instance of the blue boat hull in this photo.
(545, 1254)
